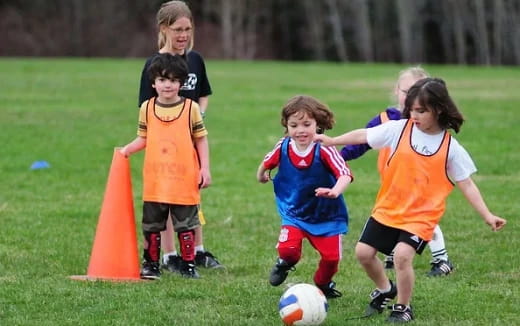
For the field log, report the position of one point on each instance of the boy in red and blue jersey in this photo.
(308, 188)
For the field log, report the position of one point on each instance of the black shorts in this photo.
(384, 238)
(155, 215)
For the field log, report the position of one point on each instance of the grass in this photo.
(73, 112)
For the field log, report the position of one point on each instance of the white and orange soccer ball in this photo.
(303, 304)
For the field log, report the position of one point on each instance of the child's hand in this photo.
(323, 139)
(496, 222)
(123, 151)
(326, 192)
(263, 177)
(205, 178)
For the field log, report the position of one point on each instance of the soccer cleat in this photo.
(173, 264)
(207, 260)
(441, 268)
(188, 270)
(279, 272)
(380, 300)
(389, 262)
(400, 314)
(329, 290)
(150, 271)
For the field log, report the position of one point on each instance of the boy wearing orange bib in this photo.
(176, 164)
(424, 162)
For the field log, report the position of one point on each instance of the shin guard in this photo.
(152, 246)
(187, 244)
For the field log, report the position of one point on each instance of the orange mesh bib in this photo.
(171, 166)
(414, 187)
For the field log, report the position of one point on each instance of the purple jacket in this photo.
(351, 152)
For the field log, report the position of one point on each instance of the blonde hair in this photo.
(416, 72)
(168, 14)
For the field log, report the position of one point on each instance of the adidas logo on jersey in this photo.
(302, 163)
(415, 238)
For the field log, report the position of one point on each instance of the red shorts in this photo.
(291, 238)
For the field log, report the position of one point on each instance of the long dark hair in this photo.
(432, 93)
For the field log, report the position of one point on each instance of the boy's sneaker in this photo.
(150, 271)
(207, 260)
(188, 270)
(389, 263)
(329, 290)
(380, 300)
(441, 267)
(400, 314)
(279, 272)
(173, 264)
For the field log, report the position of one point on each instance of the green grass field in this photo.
(73, 112)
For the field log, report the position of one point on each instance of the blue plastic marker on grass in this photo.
(37, 165)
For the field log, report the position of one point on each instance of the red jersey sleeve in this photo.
(331, 158)
(272, 159)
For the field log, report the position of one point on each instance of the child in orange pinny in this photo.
(425, 161)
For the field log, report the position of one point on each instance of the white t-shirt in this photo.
(460, 166)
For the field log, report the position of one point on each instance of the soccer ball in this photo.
(303, 304)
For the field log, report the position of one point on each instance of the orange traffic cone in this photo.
(114, 254)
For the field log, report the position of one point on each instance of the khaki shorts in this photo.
(155, 215)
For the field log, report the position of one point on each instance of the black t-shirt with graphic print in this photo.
(196, 85)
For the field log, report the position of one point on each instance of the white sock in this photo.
(199, 248)
(387, 290)
(166, 255)
(437, 245)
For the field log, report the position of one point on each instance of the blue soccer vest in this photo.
(296, 200)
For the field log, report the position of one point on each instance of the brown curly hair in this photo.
(304, 104)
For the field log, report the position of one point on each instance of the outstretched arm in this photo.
(135, 146)
(358, 136)
(351, 152)
(472, 194)
(202, 147)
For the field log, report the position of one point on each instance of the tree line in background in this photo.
(427, 31)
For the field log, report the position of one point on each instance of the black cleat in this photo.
(329, 290)
(207, 260)
(441, 268)
(173, 264)
(188, 270)
(380, 300)
(400, 314)
(150, 271)
(279, 272)
(389, 262)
